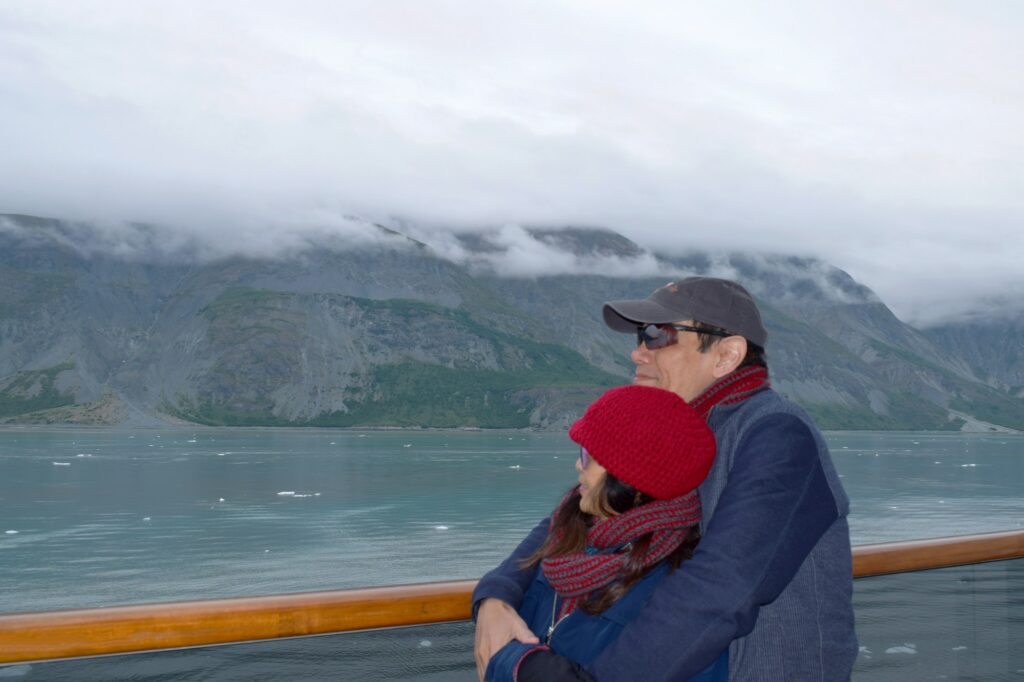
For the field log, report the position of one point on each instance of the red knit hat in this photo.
(648, 438)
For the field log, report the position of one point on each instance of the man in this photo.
(771, 580)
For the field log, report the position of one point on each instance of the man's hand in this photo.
(497, 624)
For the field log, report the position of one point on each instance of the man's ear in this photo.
(729, 353)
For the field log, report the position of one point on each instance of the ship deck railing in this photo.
(56, 635)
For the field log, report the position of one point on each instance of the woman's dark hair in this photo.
(569, 534)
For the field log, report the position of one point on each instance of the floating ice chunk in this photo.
(316, 494)
(62, 464)
(846, 447)
(960, 648)
(907, 648)
(220, 499)
(83, 454)
(146, 518)
(425, 643)
(302, 495)
(286, 493)
(192, 441)
(865, 652)
(407, 445)
(440, 527)
(515, 466)
(10, 532)
(266, 551)
(938, 462)
(221, 454)
(333, 443)
(965, 466)
(917, 442)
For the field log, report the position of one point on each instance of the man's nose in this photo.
(640, 355)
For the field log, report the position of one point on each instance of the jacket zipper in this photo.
(551, 628)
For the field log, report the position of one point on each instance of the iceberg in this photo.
(907, 648)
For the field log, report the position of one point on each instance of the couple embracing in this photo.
(707, 538)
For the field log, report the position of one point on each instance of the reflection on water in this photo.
(436, 653)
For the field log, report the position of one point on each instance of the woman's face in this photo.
(591, 481)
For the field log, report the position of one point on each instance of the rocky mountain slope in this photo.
(387, 332)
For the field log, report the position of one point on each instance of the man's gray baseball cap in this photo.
(718, 302)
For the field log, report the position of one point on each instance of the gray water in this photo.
(97, 517)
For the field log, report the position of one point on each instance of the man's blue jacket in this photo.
(771, 578)
(581, 636)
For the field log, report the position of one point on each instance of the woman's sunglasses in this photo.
(655, 336)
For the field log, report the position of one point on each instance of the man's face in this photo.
(680, 368)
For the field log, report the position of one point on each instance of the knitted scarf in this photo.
(576, 575)
(730, 389)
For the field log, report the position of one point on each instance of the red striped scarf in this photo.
(732, 388)
(576, 575)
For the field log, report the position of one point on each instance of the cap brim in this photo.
(626, 316)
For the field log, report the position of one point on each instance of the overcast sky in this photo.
(886, 137)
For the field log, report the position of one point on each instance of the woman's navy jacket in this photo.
(580, 636)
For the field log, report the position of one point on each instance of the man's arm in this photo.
(775, 506)
(508, 582)
(496, 598)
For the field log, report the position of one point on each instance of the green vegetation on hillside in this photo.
(1001, 411)
(33, 390)
(260, 334)
(906, 413)
(418, 394)
(214, 413)
(257, 333)
(243, 301)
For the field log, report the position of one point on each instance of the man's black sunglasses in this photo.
(656, 336)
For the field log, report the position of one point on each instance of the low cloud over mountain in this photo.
(370, 325)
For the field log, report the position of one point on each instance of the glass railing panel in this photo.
(962, 623)
(427, 653)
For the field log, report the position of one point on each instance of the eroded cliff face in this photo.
(386, 332)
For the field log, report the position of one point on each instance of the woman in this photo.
(632, 519)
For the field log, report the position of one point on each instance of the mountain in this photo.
(993, 348)
(384, 331)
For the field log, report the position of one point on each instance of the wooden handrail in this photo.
(923, 555)
(145, 627)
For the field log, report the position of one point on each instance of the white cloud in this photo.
(886, 138)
